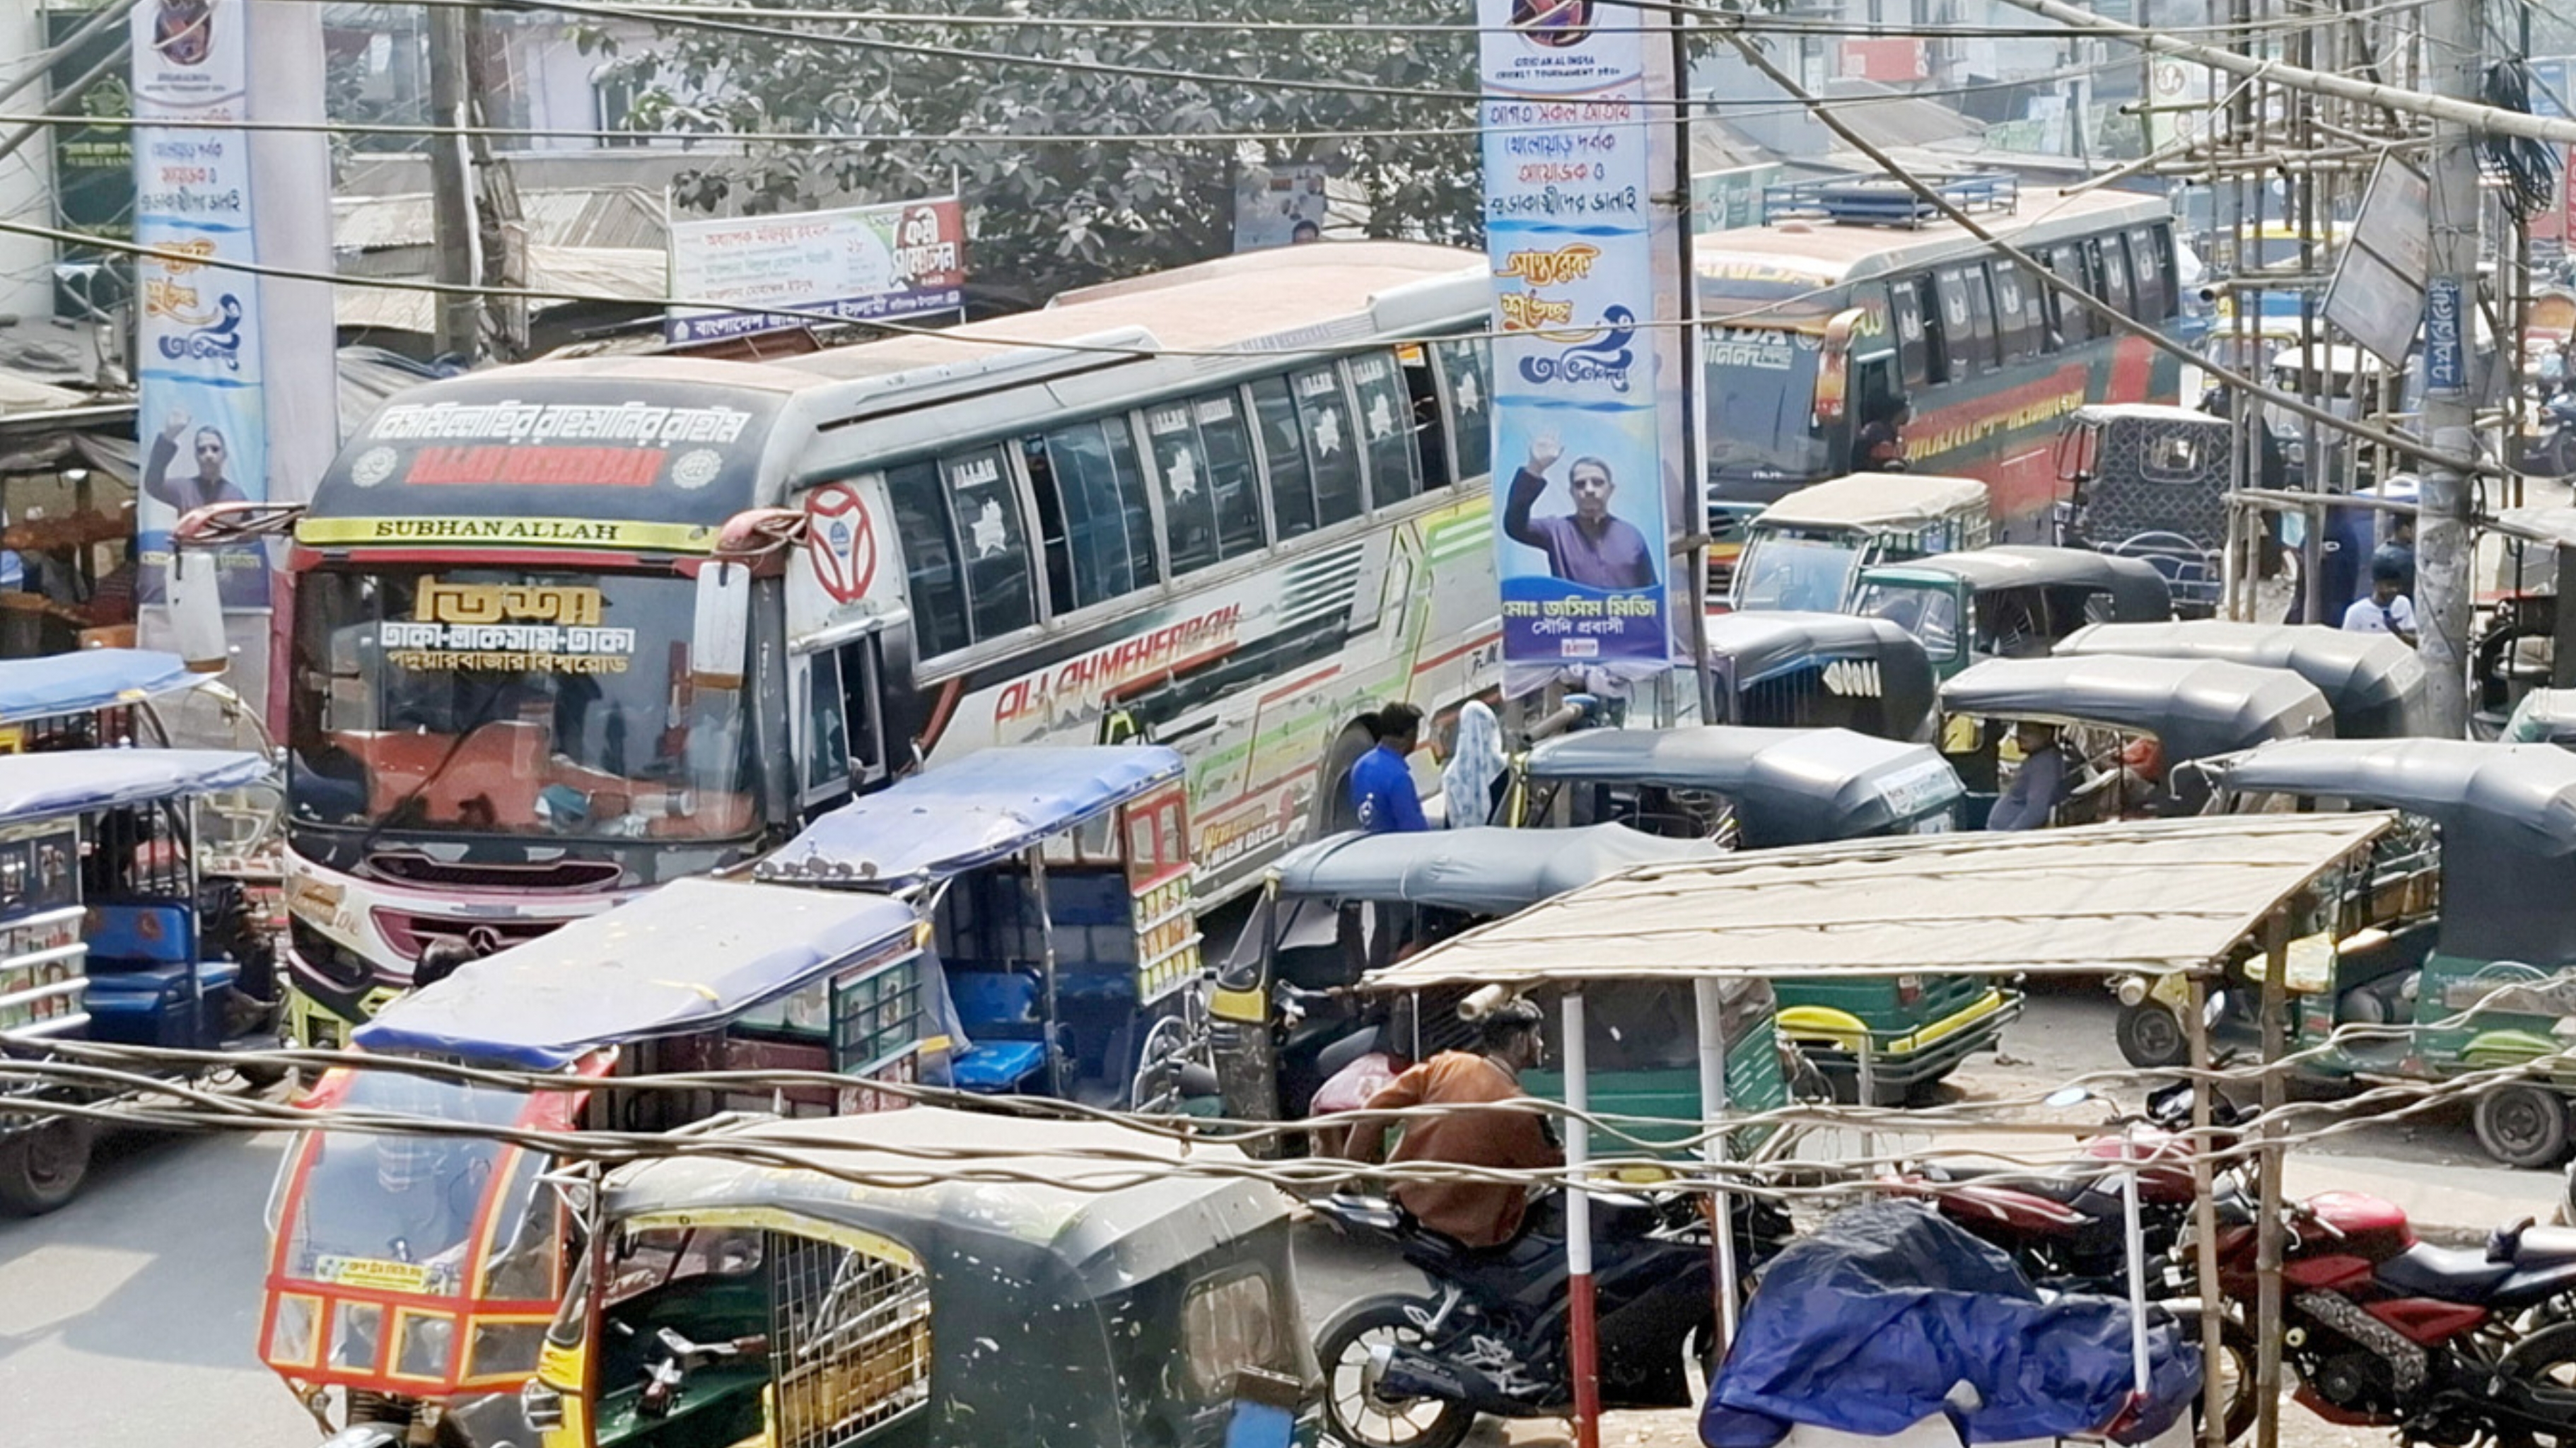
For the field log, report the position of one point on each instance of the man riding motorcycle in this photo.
(1477, 1131)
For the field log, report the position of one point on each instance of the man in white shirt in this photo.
(2387, 610)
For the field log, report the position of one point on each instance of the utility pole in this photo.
(2454, 45)
(460, 314)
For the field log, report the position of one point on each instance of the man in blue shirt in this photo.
(1382, 792)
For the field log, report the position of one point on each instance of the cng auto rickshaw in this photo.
(2190, 709)
(1792, 669)
(933, 1279)
(1335, 910)
(1058, 881)
(1806, 551)
(110, 933)
(2461, 936)
(2150, 481)
(1765, 788)
(415, 1275)
(2009, 602)
(2374, 683)
(2545, 716)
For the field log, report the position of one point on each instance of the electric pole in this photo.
(2454, 44)
(460, 314)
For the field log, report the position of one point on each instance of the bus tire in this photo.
(2522, 1124)
(43, 1166)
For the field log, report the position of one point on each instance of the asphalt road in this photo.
(127, 1319)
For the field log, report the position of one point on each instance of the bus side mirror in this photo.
(197, 610)
(720, 637)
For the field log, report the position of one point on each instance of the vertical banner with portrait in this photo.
(1585, 476)
(201, 426)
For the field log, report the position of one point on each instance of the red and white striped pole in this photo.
(1584, 1351)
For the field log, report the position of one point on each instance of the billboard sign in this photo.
(1581, 542)
(856, 264)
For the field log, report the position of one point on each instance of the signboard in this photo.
(198, 337)
(1721, 200)
(1278, 205)
(507, 627)
(2446, 366)
(858, 264)
(2376, 294)
(93, 165)
(1570, 146)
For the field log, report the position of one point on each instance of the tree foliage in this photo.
(1046, 215)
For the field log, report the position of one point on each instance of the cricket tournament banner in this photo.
(202, 420)
(1571, 235)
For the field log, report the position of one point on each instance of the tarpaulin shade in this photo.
(79, 682)
(39, 786)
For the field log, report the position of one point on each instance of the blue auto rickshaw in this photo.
(1058, 883)
(107, 935)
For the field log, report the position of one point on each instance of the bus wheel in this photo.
(42, 1166)
(2523, 1125)
(2150, 1038)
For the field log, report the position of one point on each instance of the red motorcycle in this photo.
(2384, 1330)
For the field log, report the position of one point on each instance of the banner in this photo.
(201, 421)
(1571, 234)
(860, 264)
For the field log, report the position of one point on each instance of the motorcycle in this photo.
(2553, 453)
(1406, 1371)
(2449, 1346)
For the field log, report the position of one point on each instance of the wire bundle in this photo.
(2528, 168)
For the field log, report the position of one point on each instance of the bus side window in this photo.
(1958, 329)
(1386, 419)
(1913, 350)
(1283, 454)
(1430, 425)
(931, 577)
(1234, 476)
(1332, 443)
(1981, 314)
(2075, 321)
(2151, 261)
(1109, 525)
(1464, 367)
(994, 541)
(2112, 260)
(2012, 312)
(1189, 502)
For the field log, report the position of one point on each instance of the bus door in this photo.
(839, 698)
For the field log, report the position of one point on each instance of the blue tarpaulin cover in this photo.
(1868, 1324)
(41, 786)
(77, 683)
(984, 808)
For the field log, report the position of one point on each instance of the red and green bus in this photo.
(1854, 296)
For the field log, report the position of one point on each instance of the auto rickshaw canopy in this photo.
(2150, 896)
(1875, 502)
(46, 786)
(88, 680)
(2373, 682)
(1759, 645)
(1790, 786)
(1481, 870)
(2545, 716)
(2194, 707)
(2136, 588)
(686, 958)
(981, 810)
(2518, 795)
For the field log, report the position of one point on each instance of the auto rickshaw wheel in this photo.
(1353, 1413)
(42, 1167)
(2522, 1124)
(2150, 1037)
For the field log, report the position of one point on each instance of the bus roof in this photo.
(1829, 253)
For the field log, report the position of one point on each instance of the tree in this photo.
(1045, 215)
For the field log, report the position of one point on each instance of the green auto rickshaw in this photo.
(2009, 602)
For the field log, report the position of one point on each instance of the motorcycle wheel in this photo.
(2545, 1360)
(2522, 1125)
(1355, 1414)
(2150, 1038)
(2236, 1342)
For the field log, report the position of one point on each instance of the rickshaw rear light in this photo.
(1909, 989)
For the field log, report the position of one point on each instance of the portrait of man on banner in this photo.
(1582, 571)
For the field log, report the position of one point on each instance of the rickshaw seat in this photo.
(136, 934)
(147, 1006)
(996, 1068)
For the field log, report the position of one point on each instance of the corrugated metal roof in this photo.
(589, 216)
(596, 271)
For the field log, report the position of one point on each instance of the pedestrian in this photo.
(2398, 553)
(1472, 783)
(2387, 610)
(1382, 792)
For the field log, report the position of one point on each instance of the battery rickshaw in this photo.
(412, 1276)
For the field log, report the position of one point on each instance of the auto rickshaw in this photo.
(874, 1294)
(1765, 788)
(2374, 683)
(2009, 602)
(1058, 882)
(1788, 669)
(110, 933)
(2463, 932)
(2545, 716)
(1336, 909)
(2150, 481)
(415, 1275)
(1806, 551)
(2188, 709)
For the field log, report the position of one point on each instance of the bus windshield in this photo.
(1762, 404)
(1784, 571)
(503, 701)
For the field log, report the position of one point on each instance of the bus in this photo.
(566, 630)
(1842, 305)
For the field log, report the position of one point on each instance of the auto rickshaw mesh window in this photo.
(849, 1341)
(877, 1015)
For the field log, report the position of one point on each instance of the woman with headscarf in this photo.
(1475, 766)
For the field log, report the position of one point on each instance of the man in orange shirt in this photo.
(1479, 1214)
